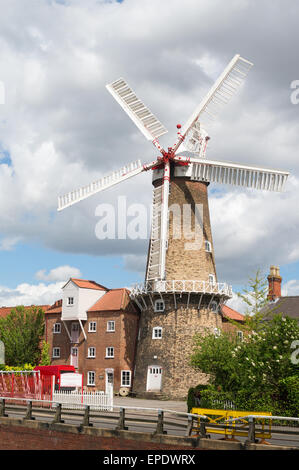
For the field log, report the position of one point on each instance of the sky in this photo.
(61, 129)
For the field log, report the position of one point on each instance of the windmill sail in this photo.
(236, 174)
(220, 93)
(100, 185)
(155, 248)
(148, 124)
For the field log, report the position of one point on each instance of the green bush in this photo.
(290, 394)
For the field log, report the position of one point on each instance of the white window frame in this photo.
(56, 353)
(109, 349)
(157, 302)
(92, 327)
(122, 378)
(208, 246)
(70, 301)
(91, 349)
(217, 332)
(57, 328)
(212, 279)
(111, 330)
(240, 335)
(214, 306)
(159, 330)
(93, 382)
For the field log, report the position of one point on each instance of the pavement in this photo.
(172, 405)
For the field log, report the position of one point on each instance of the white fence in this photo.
(75, 401)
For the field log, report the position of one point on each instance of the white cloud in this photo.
(61, 273)
(290, 287)
(30, 294)
(62, 129)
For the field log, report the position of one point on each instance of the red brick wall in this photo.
(123, 340)
(22, 438)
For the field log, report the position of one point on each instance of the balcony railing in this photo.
(188, 286)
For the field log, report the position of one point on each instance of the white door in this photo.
(154, 378)
(109, 381)
(75, 332)
(74, 357)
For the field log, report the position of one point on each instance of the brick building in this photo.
(95, 330)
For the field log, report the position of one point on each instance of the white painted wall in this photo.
(83, 300)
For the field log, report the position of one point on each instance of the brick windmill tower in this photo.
(181, 293)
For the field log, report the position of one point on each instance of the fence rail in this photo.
(153, 420)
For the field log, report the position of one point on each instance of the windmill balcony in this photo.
(183, 286)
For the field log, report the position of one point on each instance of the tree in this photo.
(254, 368)
(21, 332)
(255, 298)
(45, 359)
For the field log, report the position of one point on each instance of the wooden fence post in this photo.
(159, 428)
(202, 428)
(121, 422)
(85, 421)
(189, 426)
(2, 408)
(57, 417)
(251, 433)
(29, 411)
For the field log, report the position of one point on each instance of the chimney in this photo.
(274, 280)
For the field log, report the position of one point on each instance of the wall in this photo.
(174, 349)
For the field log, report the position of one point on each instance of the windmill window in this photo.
(159, 306)
(212, 279)
(214, 306)
(70, 301)
(208, 246)
(157, 332)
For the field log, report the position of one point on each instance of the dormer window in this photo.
(159, 306)
(70, 301)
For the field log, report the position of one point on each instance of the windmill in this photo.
(188, 177)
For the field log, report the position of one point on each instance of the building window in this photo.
(91, 352)
(92, 327)
(212, 279)
(109, 352)
(70, 300)
(110, 325)
(56, 352)
(216, 332)
(214, 306)
(91, 375)
(159, 306)
(208, 246)
(240, 335)
(125, 378)
(57, 328)
(157, 332)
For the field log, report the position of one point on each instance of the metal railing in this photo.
(156, 421)
(179, 286)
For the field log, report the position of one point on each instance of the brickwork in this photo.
(179, 325)
(22, 438)
(123, 340)
(172, 351)
(181, 262)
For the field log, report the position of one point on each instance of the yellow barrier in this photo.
(225, 419)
